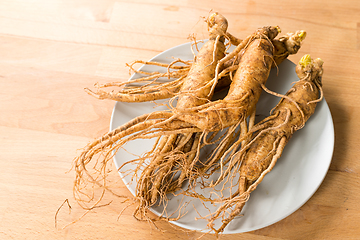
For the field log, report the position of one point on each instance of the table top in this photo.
(51, 50)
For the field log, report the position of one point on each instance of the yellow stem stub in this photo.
(302, 35)
(278, 29)
(305, 60)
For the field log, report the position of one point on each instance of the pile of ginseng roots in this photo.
(239, 150)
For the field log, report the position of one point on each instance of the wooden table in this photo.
(50, 50)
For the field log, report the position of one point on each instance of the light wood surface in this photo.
(50, 50)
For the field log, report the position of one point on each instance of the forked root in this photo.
(258, 157)
(237, 203)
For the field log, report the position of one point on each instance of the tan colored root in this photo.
(142, 97)
(232, 159)
(288, 98)
(286, 45)
(107, 146)
(232, 104)
(240, 200)
(151, 86)
(172, 157)
(147, 126)
(143, 185)
(214, 162)
(220, 106)
(233, 40)
(165, 65)
(189, 159)
(163, 171)
(291, 110)
(225, 163)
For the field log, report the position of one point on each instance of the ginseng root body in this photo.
(148, 88)
(196, 88)
(252, 73)
(186, 76)
(240, 102)
(180, 120)
(270, 136)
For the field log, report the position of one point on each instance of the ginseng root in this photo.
(146, 88)
(270, 136)
(252, 72)
(196, 89)
(149, 88)
(181, 119)
(240, 102)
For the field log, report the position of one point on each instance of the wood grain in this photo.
(50, 50)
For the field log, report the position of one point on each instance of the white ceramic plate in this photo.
(294, 179)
